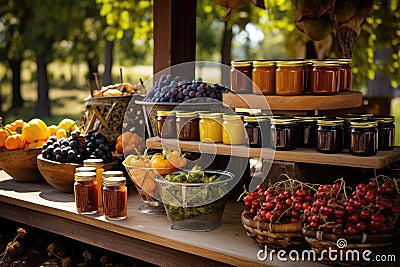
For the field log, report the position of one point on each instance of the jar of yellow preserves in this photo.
(232, 130)
(210, 127)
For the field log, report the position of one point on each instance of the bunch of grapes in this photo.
(283, 202)
(175, 90)
(368, 209)
(77, 148)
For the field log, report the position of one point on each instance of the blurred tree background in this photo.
(49, 49)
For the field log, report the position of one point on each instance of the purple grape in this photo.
(200, 89)
(219, 96)
(198, 94)
(180, 95)
(175, 91)
(170, 94)
(192, 94)
(213, 95)
(187, 98)
(185, 92)
(172, 100)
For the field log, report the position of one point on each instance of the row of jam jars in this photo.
(114, 193)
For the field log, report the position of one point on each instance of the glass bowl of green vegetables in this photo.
(194, 199)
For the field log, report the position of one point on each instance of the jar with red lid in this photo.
(346, 75)
(264, 77)
(289, 77)
(325, 77)
(241, 77)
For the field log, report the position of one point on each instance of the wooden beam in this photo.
(174, 33)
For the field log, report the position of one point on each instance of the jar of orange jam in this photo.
(325, 79)
(210, 127)
(290, 77)
(98, 164)
(264, 77)
(115, 198)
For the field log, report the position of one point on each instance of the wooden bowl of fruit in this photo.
(61, 157)
(21, 164)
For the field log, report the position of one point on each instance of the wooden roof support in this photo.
(174, 33)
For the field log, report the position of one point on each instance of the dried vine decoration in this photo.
(343, 18)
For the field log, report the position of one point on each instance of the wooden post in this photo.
(174, 33)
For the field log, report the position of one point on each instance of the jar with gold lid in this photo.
(283, 134)
(289, 77)
(264, 77)
(108, 174)
(166, 124)
(187, 126)
(386, 133)
(307, 130)
(85, 169)
(346, 74)
(210, 127)
(115, 198)
(363, 138)
(330, 136)
(232, 129)
(241, 77)
(85, 192)
(98, 164)
(255, 127)
(325, 77)
(347, 119)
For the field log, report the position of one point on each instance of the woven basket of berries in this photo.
(273, 215)
(357, 224)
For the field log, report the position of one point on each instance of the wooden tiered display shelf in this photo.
(304, 155)
(303, 102)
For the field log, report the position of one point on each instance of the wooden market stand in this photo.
(146, 236)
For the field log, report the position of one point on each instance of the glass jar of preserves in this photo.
(265, 124)
(98, 164)
(363, 138)
(115, 198)
(241, 77)
(255, 131)
(264, 77)
(346, 75)
(187, 126)
(307, 130)
(289, 77)
(308, 67)
(325, 77)
(210, 127)
(330, 136)
(232, 130)
(283, 134)
(386, 133)
(347, 119)
(166, 124)
(85, 191)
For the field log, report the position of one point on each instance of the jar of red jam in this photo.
(289, 77)
(283, 134)
(307, 130)
(187, 126)
(241, 77)
(386, 133)
(166, 124)
(264, 77)
(85, 191)
(330, 136)
(363, 138)
(346, 74)
(325, 77)
(115, 198)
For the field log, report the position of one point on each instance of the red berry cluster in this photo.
(279, 204)
(333, 208)
(368, 209)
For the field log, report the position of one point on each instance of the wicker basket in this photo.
(150, 110)
(110, 114)
(274, 235)
(378, 244)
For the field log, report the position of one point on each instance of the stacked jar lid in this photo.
(362, 134)
(292, 77)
